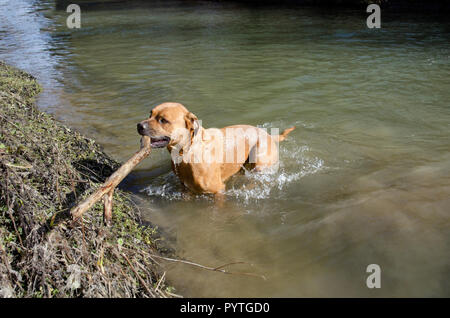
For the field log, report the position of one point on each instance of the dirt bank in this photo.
(45, 168)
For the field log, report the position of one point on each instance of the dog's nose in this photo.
(141, 127)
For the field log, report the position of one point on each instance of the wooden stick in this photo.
(107, 189)
(214, 269)
(141, 280)
(108, 202)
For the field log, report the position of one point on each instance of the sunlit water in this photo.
(364, 179)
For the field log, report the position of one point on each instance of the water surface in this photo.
(364, 179)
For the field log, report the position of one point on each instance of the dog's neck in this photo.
(184, 147)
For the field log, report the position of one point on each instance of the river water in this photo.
(364, 179)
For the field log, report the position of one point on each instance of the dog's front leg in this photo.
(219, 199)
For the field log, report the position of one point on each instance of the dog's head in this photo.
(169, 124)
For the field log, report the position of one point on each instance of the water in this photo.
(364, 179)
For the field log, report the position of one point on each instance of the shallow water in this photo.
(364, 179)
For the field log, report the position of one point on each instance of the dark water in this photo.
(365, 178)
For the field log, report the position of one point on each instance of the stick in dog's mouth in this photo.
(159, 142)
(156, 142)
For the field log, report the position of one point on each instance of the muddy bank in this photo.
(45, 168)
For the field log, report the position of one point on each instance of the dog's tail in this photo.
(284, 134)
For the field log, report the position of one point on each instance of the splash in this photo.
(294, 165)
(166, 186)
(296, 162)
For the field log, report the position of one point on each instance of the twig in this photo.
(95, 175)
(228, 264)
(112, 182)
(5, 260)
(14, 224)
(214, 269)
(160, 281)
(139, 276)
(173, 295)
(108, 202)
(9, 211)
(11, 165)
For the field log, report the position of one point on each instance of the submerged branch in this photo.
(214, 269)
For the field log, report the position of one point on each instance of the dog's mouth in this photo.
(159, 142)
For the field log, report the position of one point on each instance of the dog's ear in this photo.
(192, 124)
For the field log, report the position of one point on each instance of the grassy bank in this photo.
(45, 168)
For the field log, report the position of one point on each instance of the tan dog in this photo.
(203, 159)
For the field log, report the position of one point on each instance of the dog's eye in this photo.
(151, 113)
(163, 120)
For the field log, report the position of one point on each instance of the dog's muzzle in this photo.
(159, 142)
(156, 142)
(142, 128)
